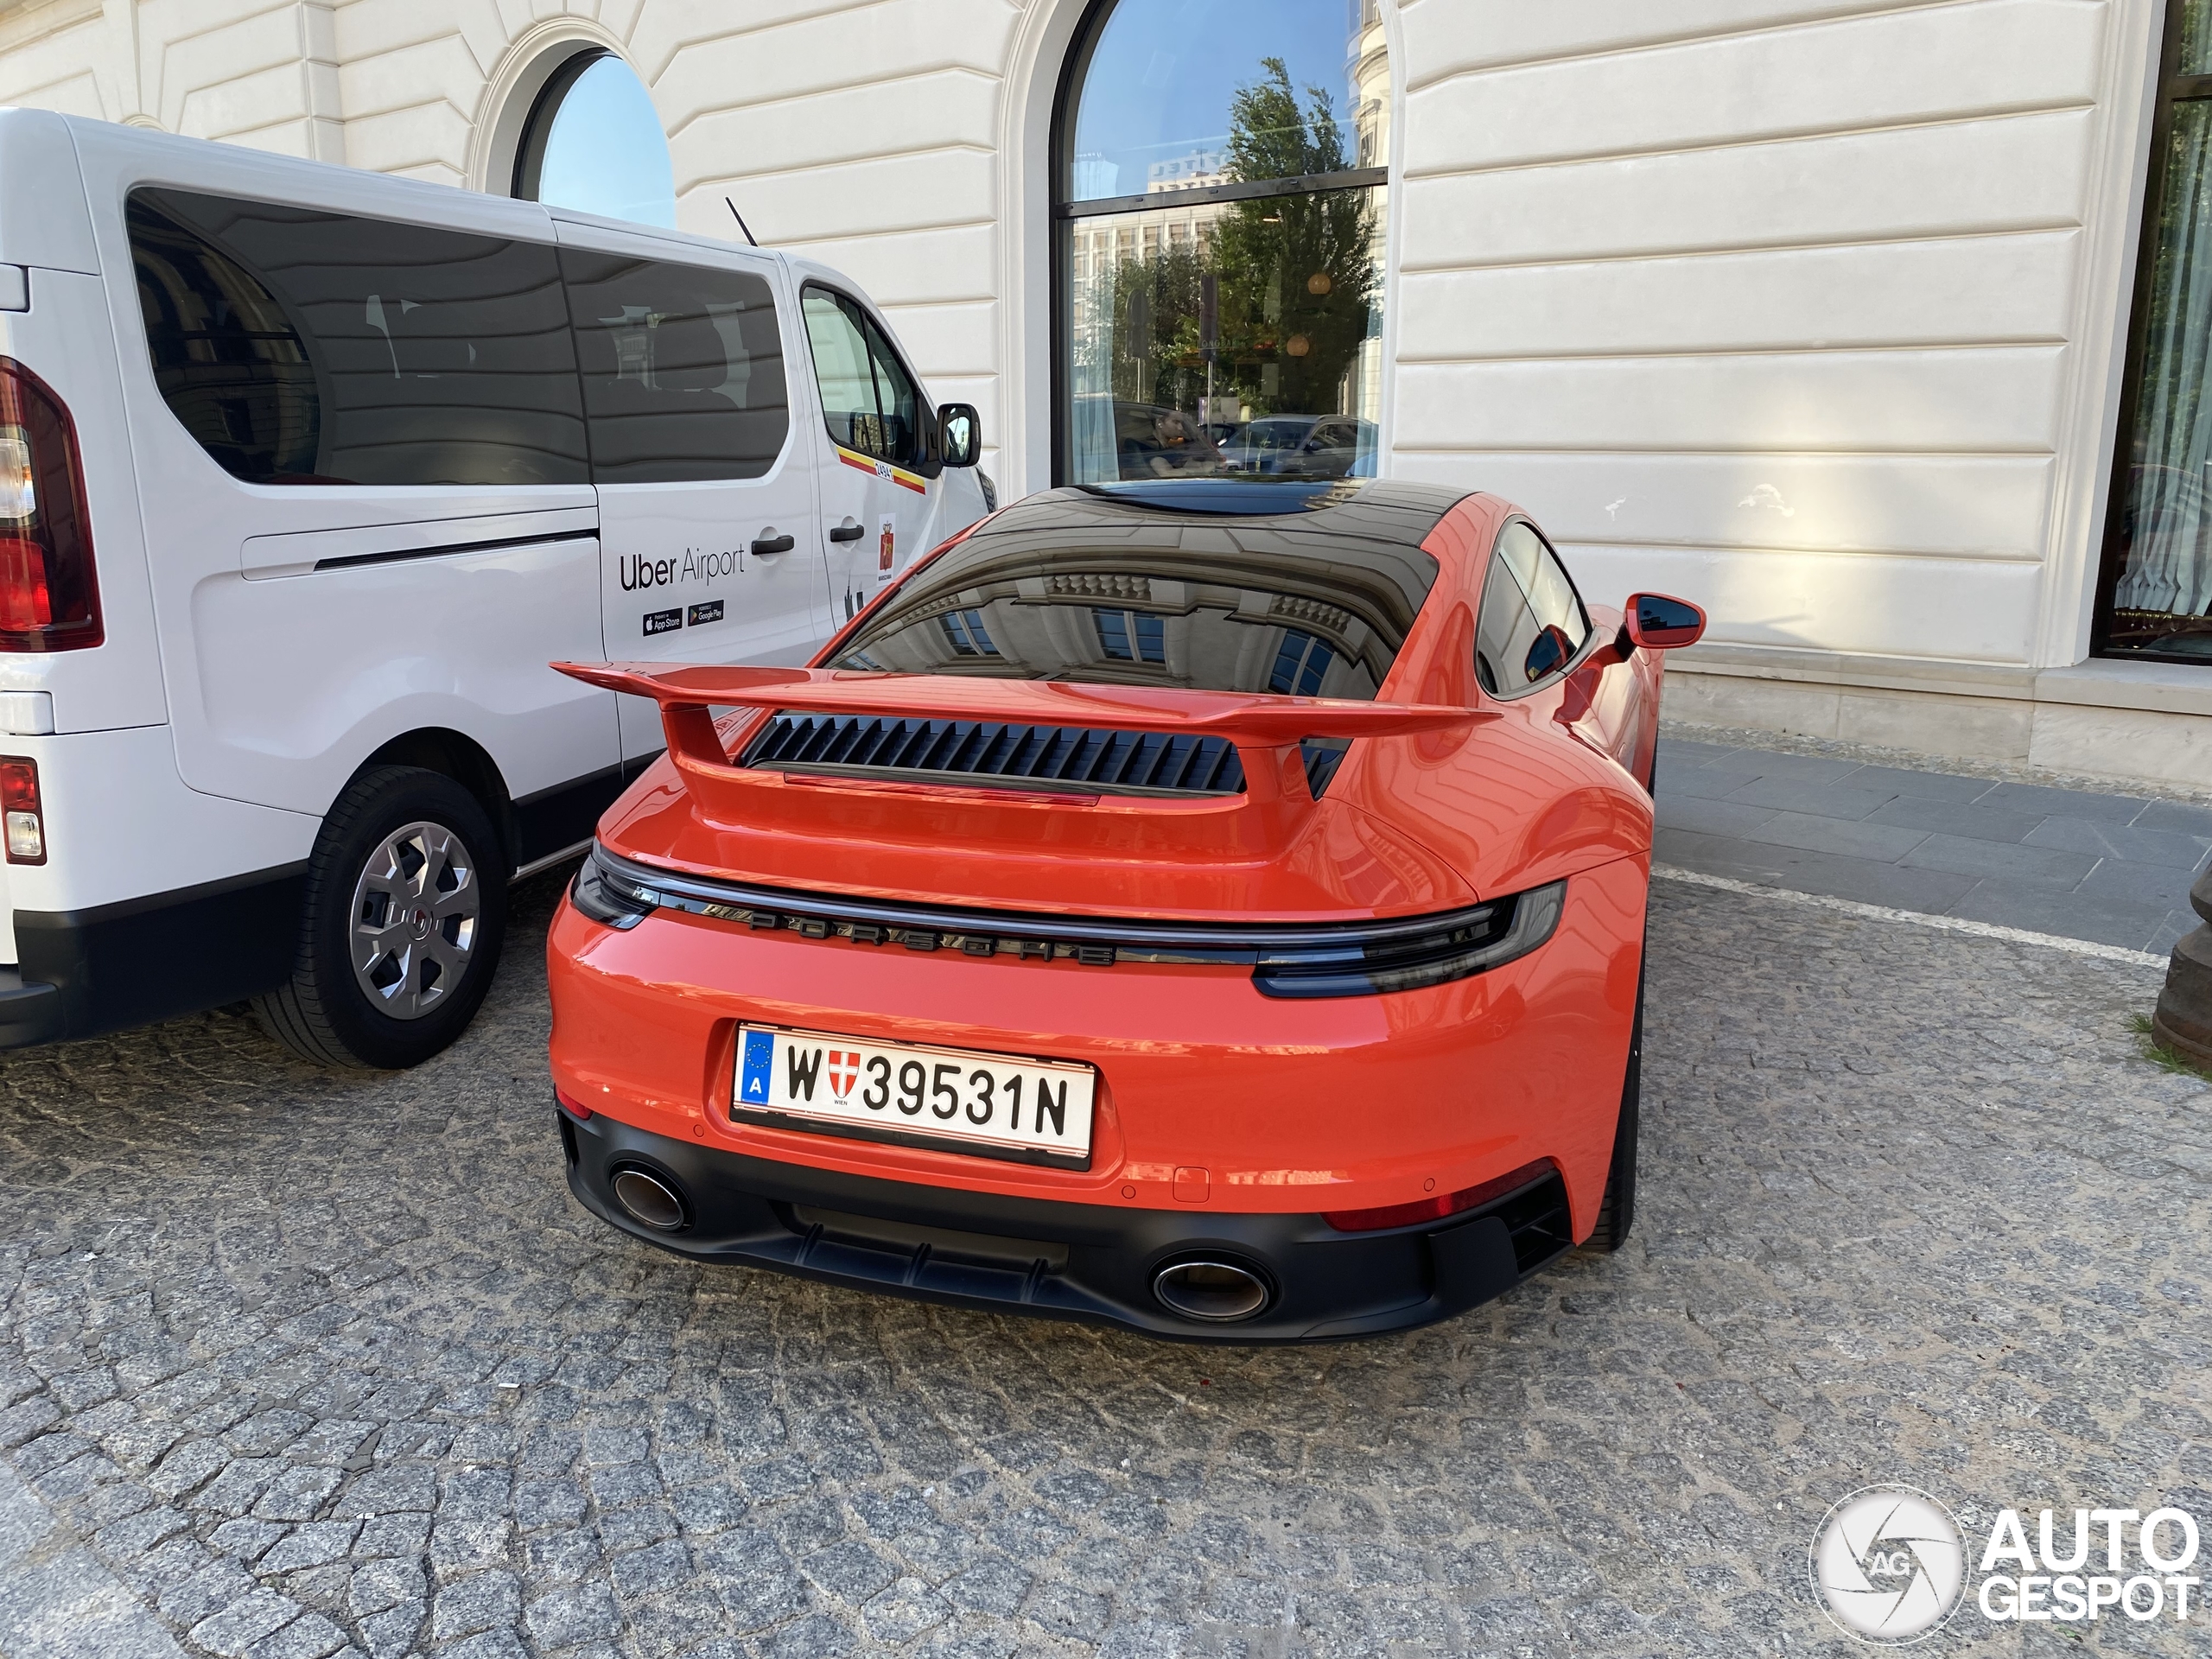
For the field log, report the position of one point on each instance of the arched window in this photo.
(593, 141)
(1219, 212)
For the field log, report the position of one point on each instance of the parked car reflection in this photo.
(1303, 446)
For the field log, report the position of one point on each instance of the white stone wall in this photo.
(1804, 308)
(1780, 305)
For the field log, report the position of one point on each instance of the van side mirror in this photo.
(1658, 623)
(960, 430)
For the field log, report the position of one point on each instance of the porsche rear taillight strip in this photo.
(1318, 960)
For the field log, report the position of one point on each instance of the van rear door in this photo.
(709, 552)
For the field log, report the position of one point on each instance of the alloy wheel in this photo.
(415, 916)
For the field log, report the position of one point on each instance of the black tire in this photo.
(325, 1013)
(1617, 1209)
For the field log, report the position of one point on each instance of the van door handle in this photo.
(846, 533)
(772, 544)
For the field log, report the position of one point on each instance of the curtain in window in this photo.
(2168, 556)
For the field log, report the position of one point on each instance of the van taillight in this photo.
(20, 811)
(48, 598)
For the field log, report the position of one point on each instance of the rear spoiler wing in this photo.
(1249, 720)
(744, 804)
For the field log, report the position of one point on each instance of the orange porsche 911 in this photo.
(1206, 906)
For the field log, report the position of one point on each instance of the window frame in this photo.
(1132, 634)
(1075, 70)
(925, 463)
(2172, 87)
(964, 630)
(538, 126)
(1593, 635)
(1329, 650)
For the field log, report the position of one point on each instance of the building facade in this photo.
(1870, 325)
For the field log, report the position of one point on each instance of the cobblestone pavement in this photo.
(314, 1362)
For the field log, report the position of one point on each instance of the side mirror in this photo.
(961, 434)
(1658, 623)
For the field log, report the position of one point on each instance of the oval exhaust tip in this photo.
(649, 1201)
(1217, 1292)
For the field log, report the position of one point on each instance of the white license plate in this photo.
(952, 1099)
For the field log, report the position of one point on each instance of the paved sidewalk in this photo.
(2112, 869)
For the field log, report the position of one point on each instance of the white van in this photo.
(305, 474)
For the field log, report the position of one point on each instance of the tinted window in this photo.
(867, 398)
(300, 346)
(682, 369)
(1532, 623)
(1148, 601)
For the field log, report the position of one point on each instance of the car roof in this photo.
(1385, 510)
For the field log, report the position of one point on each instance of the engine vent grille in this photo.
(984, 752)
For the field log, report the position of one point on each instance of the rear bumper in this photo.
(31, 1013)
(84, 972)
(1082, 1261)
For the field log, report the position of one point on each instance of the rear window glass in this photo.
(1241, 608)
(310, 348)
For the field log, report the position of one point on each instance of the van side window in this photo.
(867, 397)
(1532, 623)
(682, 369)
(229, 362)
(307, 348)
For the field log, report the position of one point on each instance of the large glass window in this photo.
(593, 141)
(2156, 597)
(1220, 216)
(306, 347)
(682, 369)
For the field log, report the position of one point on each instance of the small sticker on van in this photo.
(710, 611)
(663, 621)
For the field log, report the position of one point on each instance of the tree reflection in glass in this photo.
(1211, 336)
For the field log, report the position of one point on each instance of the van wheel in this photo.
(401, 929)
(1617, 1209)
